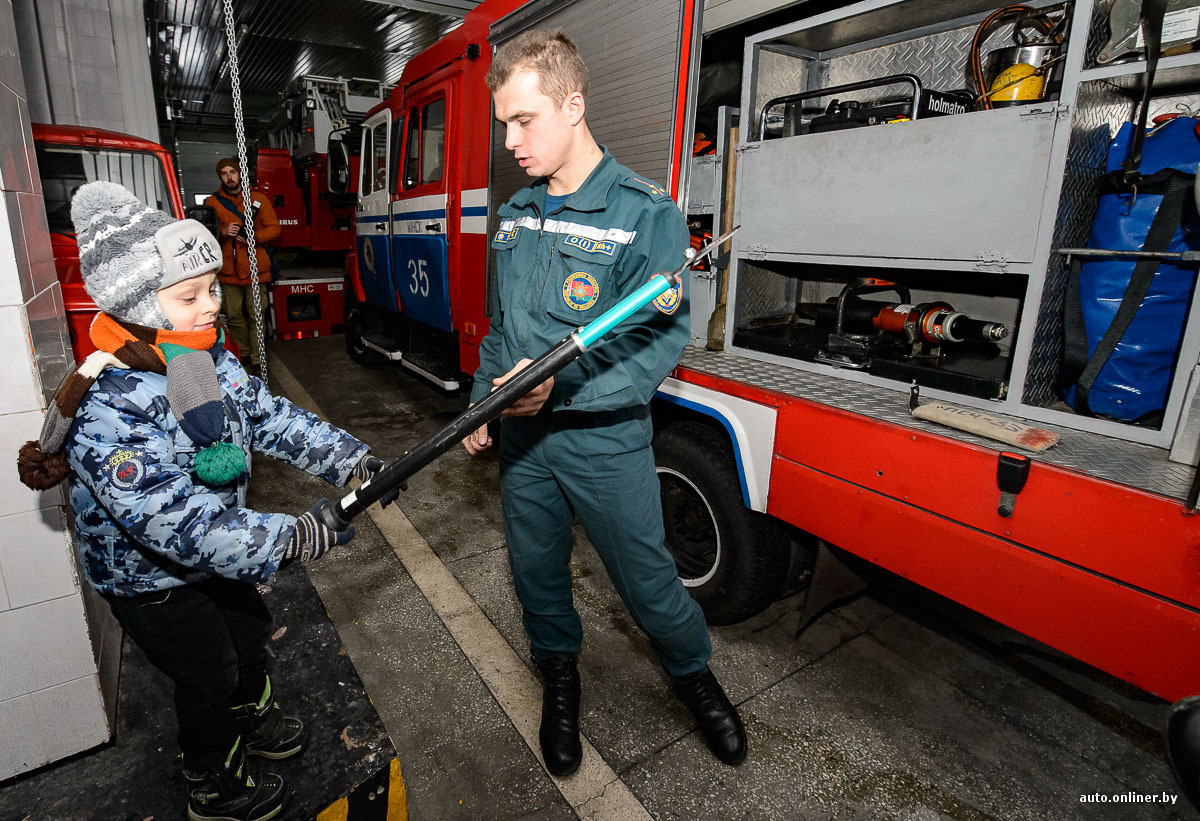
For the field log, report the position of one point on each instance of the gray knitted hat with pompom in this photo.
(128, 252)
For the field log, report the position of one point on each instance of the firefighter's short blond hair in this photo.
(550, 54)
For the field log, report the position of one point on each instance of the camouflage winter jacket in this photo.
(145, 522)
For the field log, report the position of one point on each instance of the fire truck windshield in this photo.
(64, 168)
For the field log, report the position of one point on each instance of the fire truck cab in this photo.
(420, 257)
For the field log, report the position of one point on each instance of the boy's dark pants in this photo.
(210, 639)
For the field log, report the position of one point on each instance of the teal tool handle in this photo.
(618, 313)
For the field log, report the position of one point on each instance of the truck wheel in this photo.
(356, 325)
(732, 560)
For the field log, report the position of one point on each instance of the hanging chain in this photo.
(251, 248)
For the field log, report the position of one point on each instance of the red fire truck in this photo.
(420, 260)
(765, 441)
(293, 169)
(69, 156)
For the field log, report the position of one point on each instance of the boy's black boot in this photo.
(718, 718)
(267, 731)
(559, 732)
(237, 791)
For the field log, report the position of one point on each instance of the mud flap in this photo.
(835, 581)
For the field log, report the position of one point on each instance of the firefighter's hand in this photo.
(530, 403)
(232, 229)
(477, 441)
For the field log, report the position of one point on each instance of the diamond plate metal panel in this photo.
(1139, 466)
(940, 60)
(761, 293)
(778, 74)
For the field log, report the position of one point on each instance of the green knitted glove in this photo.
(312, 539)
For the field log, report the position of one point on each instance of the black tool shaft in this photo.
(337, 515)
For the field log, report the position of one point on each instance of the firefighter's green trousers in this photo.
(599, 464)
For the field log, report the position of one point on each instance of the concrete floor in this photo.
(901, 704)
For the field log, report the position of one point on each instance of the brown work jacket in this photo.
(235, 269)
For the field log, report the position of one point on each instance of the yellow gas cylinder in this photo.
(1019, 83)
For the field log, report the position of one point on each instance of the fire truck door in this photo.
(372, 223)
(420, 221)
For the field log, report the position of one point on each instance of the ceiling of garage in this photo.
(277, 41)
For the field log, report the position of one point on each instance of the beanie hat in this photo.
(128, 252)
(228, 162)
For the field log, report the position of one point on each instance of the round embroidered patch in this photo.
(668, 301)
(581, 291)
(125, 469)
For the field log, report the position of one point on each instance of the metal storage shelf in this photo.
(830, 199)
(1170, 69)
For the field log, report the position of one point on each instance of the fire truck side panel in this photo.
(1095, 525)
(1130, 633)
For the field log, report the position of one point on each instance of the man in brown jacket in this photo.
(235, 273)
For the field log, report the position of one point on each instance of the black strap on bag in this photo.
(1078, 369)
(1152, 24)
(229, 205)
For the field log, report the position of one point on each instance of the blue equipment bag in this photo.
(1124, 316)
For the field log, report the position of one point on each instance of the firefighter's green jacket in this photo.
(556, 272)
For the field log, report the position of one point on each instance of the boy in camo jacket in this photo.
(154, 432)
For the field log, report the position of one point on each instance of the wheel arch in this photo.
(749, 426)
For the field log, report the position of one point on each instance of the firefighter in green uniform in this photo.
(585, 234)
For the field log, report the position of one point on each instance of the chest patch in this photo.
(125, 469)
(505, 236)
(594, 246)
(668, 301)
(580, 291)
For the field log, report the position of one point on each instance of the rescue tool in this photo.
(337, 516)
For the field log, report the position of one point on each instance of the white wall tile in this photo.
(15, 430)
(46, 320)
(14, 163)
(10, 58)
(43, 645)
(19, 389)
(11, 279)
(36, 557)
(3, 592)
(22, 748)
(41, 270)
(71, 717)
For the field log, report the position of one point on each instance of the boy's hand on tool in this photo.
(312, 539)
(530, 403)
(366, 469)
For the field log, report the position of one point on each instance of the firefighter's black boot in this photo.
(237, 791)
(559, 733)
(1183, 747)
(717, 717)
(267, 731)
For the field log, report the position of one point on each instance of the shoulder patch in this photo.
(654, 190)
(668, 301)
(125, 468)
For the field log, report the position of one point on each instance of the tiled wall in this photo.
(50, 697)
(86, 64)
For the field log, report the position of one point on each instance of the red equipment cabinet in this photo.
(305, 305)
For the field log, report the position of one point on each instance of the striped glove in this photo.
(366, 469)
(312, 539)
